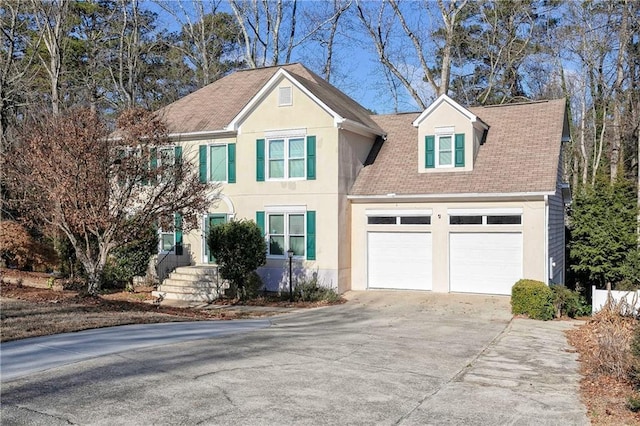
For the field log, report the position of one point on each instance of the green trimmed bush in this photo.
(532, 298)
(569, 302)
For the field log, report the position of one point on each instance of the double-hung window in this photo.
(289, 228)
(166, 156)
(286, 231)
(445, 151)
(218, 162)
(171, 241)
(286, 158)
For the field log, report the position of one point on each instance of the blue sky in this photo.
(357, 69)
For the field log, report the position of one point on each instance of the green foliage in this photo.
(569, 302)
(253, 285)
(131, 259)
(633, 403)
(631, 272)
(239, 249)
(603, 245)
(532, 298)
(312, 289)
(69, 265)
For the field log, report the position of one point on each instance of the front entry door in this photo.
(211, 221)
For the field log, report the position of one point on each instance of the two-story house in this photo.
(449, 199)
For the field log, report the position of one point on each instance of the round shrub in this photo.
(532, 298)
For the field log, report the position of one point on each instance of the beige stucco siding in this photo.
(339, 157)
(446, 116)
(353, 151)
(532, 228)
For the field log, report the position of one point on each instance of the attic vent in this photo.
(284, 96)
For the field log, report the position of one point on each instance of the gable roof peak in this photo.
(445, 99)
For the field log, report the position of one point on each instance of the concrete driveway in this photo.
(382, 358)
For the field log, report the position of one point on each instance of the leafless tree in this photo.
(51, 20)
(99, 190)
(380, 27)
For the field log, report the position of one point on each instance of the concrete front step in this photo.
(197, 270)
(171, 288)
(187, 297)
(192, 277)
(195, 284)
(192, 283)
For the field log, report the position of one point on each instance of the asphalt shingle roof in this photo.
(521, 154)
(214, 106)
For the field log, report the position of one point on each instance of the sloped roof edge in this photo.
(446, 99)
(339, 120)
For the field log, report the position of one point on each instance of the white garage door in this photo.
(399, 260)
(485, 262)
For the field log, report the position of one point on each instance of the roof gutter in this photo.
(358, 128)
(211, 134)
(392, 198)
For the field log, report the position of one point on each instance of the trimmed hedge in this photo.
(532, 298)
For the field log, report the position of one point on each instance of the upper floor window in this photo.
(444, 150)
(286, 158)
(218, 162)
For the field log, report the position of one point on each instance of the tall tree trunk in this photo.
(617, 96)
(50, 18)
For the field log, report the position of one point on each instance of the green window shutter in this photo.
(178, 154)
(203, 163)
(231, 163)
(260, 221)
(429, 151)
(153, 154)
(311, 235)
(260, 160)
(311, 158)
(178, 232)
(459, 160)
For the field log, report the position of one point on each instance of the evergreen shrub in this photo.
(532, 298)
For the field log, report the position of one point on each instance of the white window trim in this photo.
(289, 211)
(160, 234)
(437, 151)
(285, 209)
(426, 212)
(165, 148)
(485, 211)
(286, 140)
(226, 163)
(448, 130)
(288, 133)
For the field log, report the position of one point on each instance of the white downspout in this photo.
(546, 239)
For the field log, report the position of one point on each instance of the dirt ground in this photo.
(604, 395)
(29, 307)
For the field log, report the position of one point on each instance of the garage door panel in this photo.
(484, 262)
(399, 260)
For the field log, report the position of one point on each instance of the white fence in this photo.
(599, 299)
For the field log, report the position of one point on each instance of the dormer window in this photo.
(448, 137)
(444, 147)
